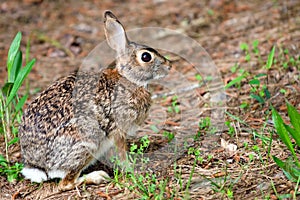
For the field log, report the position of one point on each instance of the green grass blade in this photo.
(27, 52)
(270, 58)
(17, 64)
(294, 134)
(13, 50)
(237, 80)
(295, 121)
(281, 131)
(7, 88)
(291, 172)
(21, 103)
(19, 80)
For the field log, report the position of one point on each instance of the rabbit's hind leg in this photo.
(69, 181)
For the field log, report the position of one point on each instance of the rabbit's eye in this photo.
(146, 57)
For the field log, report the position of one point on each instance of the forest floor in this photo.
(235, 160)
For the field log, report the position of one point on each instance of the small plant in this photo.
(11, 104)
(145, 183)
(174, 105)
(169, 135)
(255, 47)
(244, 105)
(244, 47)
(242, 74)
(199, 77)
(259, 91)
(196, 153)
(230, 128)
(10, 171)
(287, 133)
(204, 123)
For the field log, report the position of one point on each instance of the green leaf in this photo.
(237, 80)
(16, 67)
(281, 131)
(289, 169)
(21, 103)
(19, 80)
(3, 161)
(270, 58)
(267, 93)
(255, 44)
(294, 134)
(17, 64)
(13, 50)
(258, 98)
(244, 47)
(260, 75)
(7, 88)
(254, 82)
(295, 121)
(13, 141)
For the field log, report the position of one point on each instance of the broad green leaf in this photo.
(234, 81)
(17, 64)
(270, 58)
(13, 50)
(295, 119)
(281, 131)
(19, 80)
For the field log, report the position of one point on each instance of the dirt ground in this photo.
(62, 33)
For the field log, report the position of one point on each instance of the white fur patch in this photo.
(56, 174)
(34, 174)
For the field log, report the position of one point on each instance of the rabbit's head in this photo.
(138, 63)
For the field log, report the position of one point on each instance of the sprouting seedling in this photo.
(244, 47)
(255, 47)
(270, 58)
(174, 105)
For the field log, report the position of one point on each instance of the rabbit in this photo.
(78, 118)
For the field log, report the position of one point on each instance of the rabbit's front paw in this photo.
(95, 177)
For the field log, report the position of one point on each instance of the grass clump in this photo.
(290, 136)
(11, 103)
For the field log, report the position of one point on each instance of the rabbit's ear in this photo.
(115, 33)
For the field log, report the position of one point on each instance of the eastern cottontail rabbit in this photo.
(79, 117)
